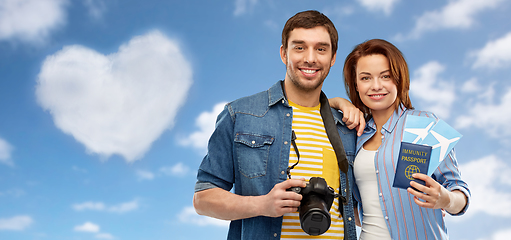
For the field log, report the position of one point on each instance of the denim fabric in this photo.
(249, 150)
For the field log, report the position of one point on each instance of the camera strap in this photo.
(335, 140)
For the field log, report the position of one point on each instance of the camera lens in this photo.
(314, 217)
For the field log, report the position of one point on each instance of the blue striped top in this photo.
(405, 219)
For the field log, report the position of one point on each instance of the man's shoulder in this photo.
(258, 102)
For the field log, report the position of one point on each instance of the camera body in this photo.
(317, 199)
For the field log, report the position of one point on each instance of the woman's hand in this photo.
(352, 116)
(435, 196)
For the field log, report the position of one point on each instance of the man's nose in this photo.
(310, 56)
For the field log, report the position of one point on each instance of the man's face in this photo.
(308, 57)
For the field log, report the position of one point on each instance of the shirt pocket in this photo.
(252, 151)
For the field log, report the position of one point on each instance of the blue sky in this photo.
(106, 105)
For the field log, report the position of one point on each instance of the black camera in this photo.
(317, 199)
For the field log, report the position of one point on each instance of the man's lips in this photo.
(309, 71)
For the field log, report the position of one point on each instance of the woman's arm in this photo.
(437, 196)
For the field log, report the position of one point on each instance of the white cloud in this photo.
(426, 81)
(206, 125)
(90, 227)
(97, 8)
(496, 54)
(144, 175)
(104, 236)
(87, 227)
(16, 223)
(5, 153)
(458, 14)
(379, 5)
(119, 103)
(124, 207)
(188, 215)
(491, 117)
(489, 193)
(501, 235)
(243, 6)
(99, 206)
(177, 170)
(31, 20)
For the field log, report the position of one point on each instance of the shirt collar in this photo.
(276, 94)
(391, 124)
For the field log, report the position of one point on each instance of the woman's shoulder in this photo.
(420, 113)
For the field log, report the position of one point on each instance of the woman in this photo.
(377, 82)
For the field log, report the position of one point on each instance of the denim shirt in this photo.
(250, 150)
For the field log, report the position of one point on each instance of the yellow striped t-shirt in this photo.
(317, 159)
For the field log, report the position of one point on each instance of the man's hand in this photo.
(279, 201)
(352, 116)
(435, 196)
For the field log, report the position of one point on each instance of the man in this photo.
(252, 146)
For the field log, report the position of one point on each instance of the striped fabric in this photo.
(405, 219)
(317, 159)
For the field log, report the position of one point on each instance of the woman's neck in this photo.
(381, 117)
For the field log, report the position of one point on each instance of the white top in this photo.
(373, 223)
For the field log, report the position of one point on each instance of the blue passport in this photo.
(413, 158)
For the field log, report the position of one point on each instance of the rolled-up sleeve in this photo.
(449, 175)
(217, 167)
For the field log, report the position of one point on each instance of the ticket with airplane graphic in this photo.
(430, 132)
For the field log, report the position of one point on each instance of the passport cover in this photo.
(413, 158)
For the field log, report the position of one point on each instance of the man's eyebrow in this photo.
(297, 42)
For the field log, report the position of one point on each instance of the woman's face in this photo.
(375, 85)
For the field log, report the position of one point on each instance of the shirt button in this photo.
(380, 194)
(345, 190)
(275, 234)
(288, 114)
(377, 171)
(282, 172)
(253, 142)
(283, 103)
(285, 142)
(386, 218)
(349, 219)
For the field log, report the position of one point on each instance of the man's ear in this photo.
(283, 54)
(333, 60)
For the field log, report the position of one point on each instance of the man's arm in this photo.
(222, 204)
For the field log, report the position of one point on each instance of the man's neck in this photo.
(300, 97)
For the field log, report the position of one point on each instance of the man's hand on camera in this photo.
(279, 201)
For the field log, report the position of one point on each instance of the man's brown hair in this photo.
(310, 19)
